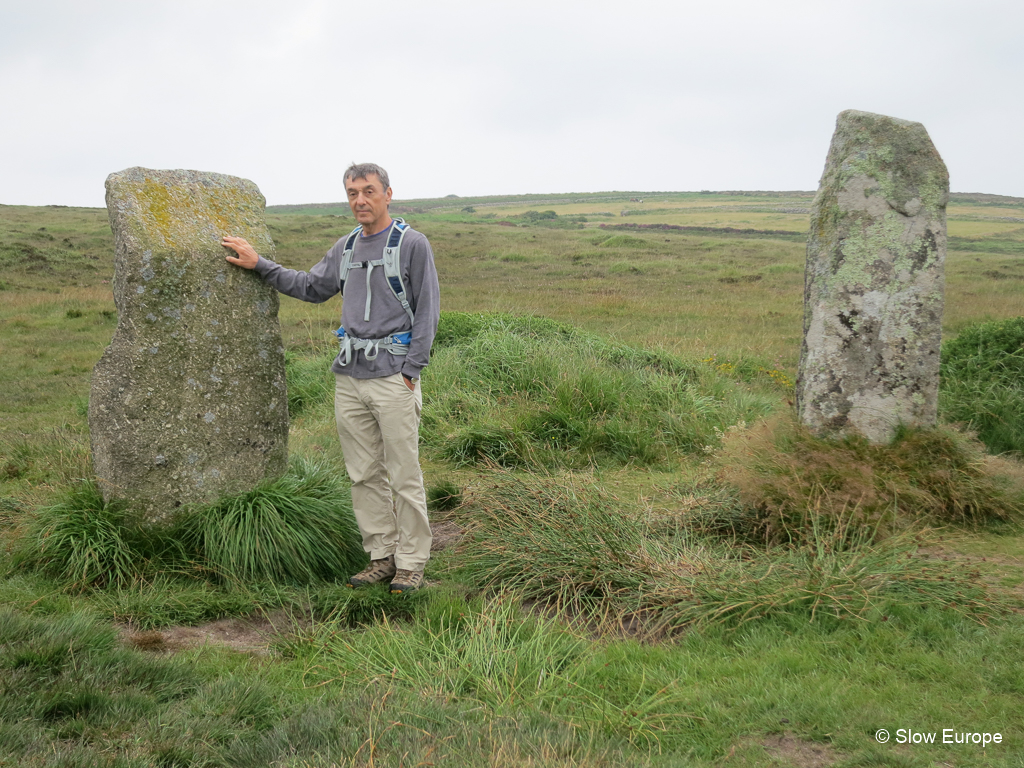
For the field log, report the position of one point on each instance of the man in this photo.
(377, 395)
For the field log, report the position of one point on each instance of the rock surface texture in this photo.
(189, 400)
(873, 294)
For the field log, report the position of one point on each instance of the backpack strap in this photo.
(346, 257)
(393, 265)
(391, 261)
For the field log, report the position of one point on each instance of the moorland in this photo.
(646, 561)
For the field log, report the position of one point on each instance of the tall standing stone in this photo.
(874, 282)
(189, 401)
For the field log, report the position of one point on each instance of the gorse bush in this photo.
(982, 383)
(529, 392)
(786, 477)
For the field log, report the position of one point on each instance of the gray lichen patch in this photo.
(189, 401)
(874, 282)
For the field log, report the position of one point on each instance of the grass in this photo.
(518, 393)
(982, 385)
(575, 548)
(294, 529)
(616, 600)
(785, 476)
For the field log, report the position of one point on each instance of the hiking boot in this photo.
(375, 573)
(406, 581)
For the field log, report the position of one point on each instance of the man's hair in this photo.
(362, 170)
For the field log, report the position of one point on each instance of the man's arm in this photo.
(425, 293)
(316, 286)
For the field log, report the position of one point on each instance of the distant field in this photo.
(705, 293)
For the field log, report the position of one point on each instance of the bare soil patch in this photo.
(792, 751)
(787, 750)
(250, 634)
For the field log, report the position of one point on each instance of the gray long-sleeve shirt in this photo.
(386, 314)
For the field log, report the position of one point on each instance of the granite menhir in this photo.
(188, 402)
(874, 283)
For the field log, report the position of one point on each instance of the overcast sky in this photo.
(477, 98)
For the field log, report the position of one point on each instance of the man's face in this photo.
(369, 202)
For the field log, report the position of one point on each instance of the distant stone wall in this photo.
(874, 282)
(189, 400)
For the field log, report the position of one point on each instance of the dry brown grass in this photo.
(788, 476)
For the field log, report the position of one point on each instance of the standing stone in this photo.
(874, 282)
(189, 401)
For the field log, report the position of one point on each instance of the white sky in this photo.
(474, 98)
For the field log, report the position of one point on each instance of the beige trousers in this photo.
(378, 425)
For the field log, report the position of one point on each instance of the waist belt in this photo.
(396, 344)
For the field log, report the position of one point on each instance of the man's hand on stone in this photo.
(245, 256)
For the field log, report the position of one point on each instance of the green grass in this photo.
(519, 393)
(608, 605)
(296, 528)
(982, 385)
(572, 546)
(785, 476)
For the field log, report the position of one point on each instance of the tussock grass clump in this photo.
(982, 383)
(583, 550)
(527, 393)
(503, 658)
(295, 528)
(83, 542)
(787, 478)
